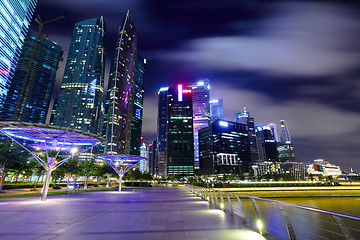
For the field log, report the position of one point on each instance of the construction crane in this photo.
(28, 70)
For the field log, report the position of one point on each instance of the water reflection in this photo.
(306, 224)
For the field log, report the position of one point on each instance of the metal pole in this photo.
(46, 184)
(120, 177)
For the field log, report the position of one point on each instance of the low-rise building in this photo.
(324, 168)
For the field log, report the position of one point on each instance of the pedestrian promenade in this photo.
(170, 213)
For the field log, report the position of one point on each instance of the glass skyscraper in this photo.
(201, 112)
(137, 115)
(224, 148)
(81, 93)
(121, 90)
(180, 137)
(285, 148)
(33, 80)
(15, 18)
(244, 118)
(216, 110)
(160, 161)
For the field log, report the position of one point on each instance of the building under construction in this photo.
(33, 80)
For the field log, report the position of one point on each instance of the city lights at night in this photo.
(191, 119)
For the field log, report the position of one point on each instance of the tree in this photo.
(12, 157)
(86, 168)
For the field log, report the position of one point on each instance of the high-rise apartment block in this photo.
(15, 18)
(224, 148)
(79, 103)
(201, 112)
(121, 90)
(216, 110)
(33, 80)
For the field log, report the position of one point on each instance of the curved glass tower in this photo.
(120, 95)
(15, 17)
(81, 93)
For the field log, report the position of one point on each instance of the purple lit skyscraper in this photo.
(201, 112)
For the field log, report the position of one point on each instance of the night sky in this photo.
(292, 60)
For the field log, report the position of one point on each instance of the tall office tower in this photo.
(270, 144)
(15, 18)
(274, 131)
(201, 112)
(121, 89)
(180, 136)
(153, 158)
(33, 80)
(285, 148)
(137, 114)
(244, 118)
(81, 93)
(216, 110)
(162, 119)
(224, 148)
(285, 135)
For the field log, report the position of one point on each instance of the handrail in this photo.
(204, 192)
(300, 206)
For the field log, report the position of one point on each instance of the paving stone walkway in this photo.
(157, 213)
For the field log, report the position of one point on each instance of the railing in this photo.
(284, 220)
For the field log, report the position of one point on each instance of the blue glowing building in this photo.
(33, 80)
(216, 110)
(15, 18)
(80, 98)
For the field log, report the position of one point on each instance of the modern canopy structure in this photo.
(41, 137)
(121, 163)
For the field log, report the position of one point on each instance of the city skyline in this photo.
(270, 61)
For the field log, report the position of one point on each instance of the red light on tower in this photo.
(187, 91)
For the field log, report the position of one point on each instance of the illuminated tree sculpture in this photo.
(40, 137)
(121, 163)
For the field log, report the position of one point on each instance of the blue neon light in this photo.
(223, 124)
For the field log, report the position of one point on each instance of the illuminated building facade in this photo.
(286, 170)
(79, 103)
(244, 118)
(137, 115)
(161, 159)
(224, 148)
(270, 144)
(121, 90)
(216, 110)
(33, 80)
(15, 18)
(285, 147)
(180, 136)
(201, 112)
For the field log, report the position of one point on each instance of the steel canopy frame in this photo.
(49, 137)
(121, 163)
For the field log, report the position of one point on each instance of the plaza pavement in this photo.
(157, 213)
